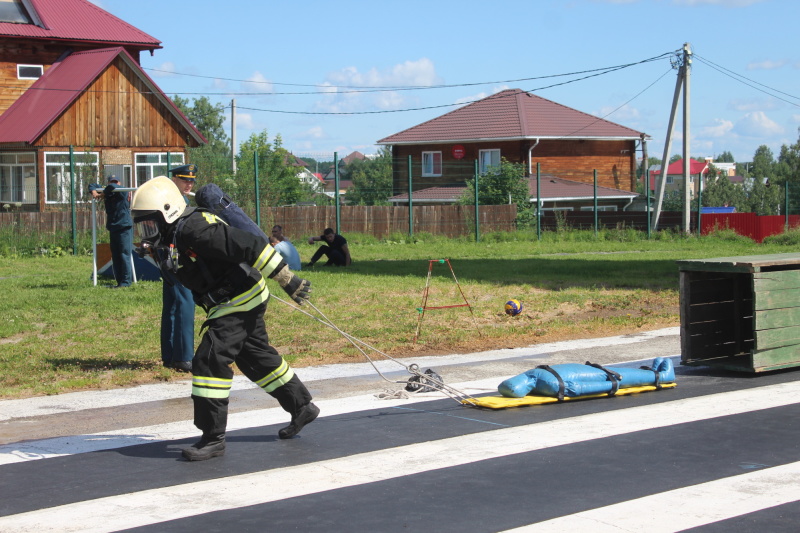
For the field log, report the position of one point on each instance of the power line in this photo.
(752, 84)
(596, 72)
(364, 89)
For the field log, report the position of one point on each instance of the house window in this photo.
(558, 209)
(489, 161)
(431, 164)
(18, 178)
(152, 164)
(57, 175)
(599, 208)
(670, 180)
(29, 72)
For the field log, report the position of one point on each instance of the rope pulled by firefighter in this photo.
(419, 381)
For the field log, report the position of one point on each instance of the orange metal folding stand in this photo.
(425, 307)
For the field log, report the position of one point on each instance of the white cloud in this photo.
(767, 64)
(257, 83)
(164, 70)
(720, 128)
(752, 105)
(480, 95)
(624, 114)
(341, 88)
(244, 121)
(315, 132)
(721, 3)
(757, 124)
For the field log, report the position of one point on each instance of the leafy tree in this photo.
(720, 192)
(277, 176)
(675, 157)
(372, 179)
(725, 157)
(213, 159)
(763, 199)
(505, 185)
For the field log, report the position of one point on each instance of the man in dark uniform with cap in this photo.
(120, 228)
(177, 311)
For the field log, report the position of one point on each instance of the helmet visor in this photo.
(147, 230)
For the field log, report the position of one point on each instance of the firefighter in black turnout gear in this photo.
(226, 269)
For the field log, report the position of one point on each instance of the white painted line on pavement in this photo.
(685, 508)
(137, 509)
(76, 401)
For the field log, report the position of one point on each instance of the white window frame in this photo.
(17, 178)
(599, 208)
(429, 164)
(488, 160)
(545, 209)
(56, 167)
(670, 180)
(147, 170)
(21, 77)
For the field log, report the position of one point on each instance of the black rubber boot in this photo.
(205, 448)
(306, 415)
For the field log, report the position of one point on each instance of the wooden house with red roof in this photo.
(697, 170)
(522, 128)
(72, 82)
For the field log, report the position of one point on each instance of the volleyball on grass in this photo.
(513, 307)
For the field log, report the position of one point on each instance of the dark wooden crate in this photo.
(741, 313)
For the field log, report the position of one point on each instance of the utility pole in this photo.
(233, 135)
(682, 63)
(687, 162)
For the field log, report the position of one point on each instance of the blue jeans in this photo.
(121, 248)
(177, 324)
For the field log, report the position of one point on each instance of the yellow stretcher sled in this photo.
(502, 402)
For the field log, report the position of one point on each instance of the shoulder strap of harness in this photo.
(560, 381)
(614, 377)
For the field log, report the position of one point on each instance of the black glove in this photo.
(298, 289)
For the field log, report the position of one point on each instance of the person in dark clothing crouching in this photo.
(336, 251)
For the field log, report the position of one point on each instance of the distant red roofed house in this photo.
(522, 128)
(675, 175)
(75, 80)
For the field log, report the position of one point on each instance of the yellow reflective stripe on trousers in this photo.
(208, 387)
(278, 377)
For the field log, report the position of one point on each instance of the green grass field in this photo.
(59, 333)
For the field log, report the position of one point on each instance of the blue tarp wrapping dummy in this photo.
(574, 380)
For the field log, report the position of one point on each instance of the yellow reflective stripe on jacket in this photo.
(278, 377)
(268, 260)
(208, 387)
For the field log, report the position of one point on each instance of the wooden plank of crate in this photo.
(777, 299)
(775, 338)
(776, 358)
(775, 280)
(776, 318)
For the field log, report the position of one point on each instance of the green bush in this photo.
(788, 238)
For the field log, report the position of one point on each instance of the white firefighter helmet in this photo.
(159, 195)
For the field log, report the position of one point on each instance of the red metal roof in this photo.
(52, 94)
(512, 114)
(551, 188)
(78, 20)
(676, 168)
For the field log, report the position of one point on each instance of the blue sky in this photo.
(745, 80)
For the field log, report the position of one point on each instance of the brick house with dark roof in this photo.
(521, 128)
(74, 80)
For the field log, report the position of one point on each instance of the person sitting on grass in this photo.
(336, 251)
